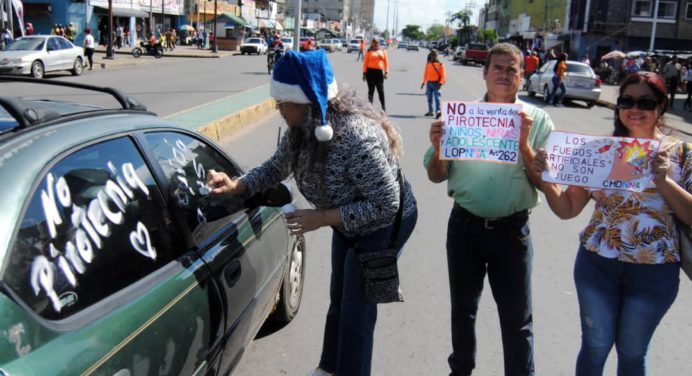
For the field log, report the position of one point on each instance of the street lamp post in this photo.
(296, 27)
(109, 47)
(652, 41)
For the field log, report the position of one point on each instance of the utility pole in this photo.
(296, 27)
(213, 45)
(653, 28)
(386, 27)
(163, 15)
(151, 17)
(109, 48)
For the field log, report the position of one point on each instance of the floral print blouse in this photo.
(638, 227)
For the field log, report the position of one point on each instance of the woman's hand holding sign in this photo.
(660, 166)
(436, 135)
(437, 168)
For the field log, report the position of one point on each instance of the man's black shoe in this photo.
(428, 114)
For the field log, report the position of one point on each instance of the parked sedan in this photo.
(116, 258)
(253, 46)
(581, 83)
(412, 46)
(38, 54)
(353, 45)
(328, 45)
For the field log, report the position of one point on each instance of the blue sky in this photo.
(434, 11)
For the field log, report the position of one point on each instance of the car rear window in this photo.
(253, 40)
(578, 68)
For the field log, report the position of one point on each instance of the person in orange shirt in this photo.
(375, 70)
(530, 65)
(433, 78)
(559, 81)
(361, 50)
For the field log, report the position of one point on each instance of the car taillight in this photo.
(598, 82)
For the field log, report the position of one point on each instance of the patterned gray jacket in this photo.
(359, 175)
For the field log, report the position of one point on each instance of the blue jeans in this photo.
(557, 83)
(432, 91)
(350, 325)
(503, 250)
(620, 303)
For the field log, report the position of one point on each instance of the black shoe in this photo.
(428, 114)
(439, 115)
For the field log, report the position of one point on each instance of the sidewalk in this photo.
(123, 56)
(610, 94)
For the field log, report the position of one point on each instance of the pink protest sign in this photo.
(480, 131)
(600, 162)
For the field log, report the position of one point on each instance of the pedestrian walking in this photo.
(119, 36)
(361, 50)
(488, 227)
(352, 181)
(29, 28)
(6, 37)
(559, 72)
(433, 78)
(671, 73)
(688, 86)
(530, 66)
(89, 47)
(375, 70)
(627, 266)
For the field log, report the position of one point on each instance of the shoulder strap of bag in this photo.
(439, 76)
(400, 212)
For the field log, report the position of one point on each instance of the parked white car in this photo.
(581, 83)
(253, 46)
(288, 43)
(38, 54)
(329, 45)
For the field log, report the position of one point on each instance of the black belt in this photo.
(518, 218)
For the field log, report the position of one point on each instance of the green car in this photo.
(116, 259)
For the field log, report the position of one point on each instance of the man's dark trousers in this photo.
(503, 249)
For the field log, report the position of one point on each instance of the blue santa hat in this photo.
(305, 78)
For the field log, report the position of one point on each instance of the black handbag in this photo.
(378, 269)
(685, 231)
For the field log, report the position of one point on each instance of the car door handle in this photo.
(232, 273)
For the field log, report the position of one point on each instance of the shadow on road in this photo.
(412, 94)
(402, 116)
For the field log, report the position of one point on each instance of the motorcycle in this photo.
(155, 50)
(273, 57)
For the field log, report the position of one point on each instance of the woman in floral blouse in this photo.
(627, 267)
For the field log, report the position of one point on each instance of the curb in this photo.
(237, 121)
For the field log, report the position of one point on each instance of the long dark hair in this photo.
(656, 84)
(346, 103)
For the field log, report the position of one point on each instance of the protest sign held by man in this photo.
(488, 225)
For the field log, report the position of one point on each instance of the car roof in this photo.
(25, 149)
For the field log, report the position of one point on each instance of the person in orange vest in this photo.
(530, 65)
(361, 50)
(309, 45)
(375, 70)
(433, 78)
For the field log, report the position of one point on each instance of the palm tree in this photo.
(464, 19)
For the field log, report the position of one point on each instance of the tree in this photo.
(464, 19)
(412, 32)
(435, 32)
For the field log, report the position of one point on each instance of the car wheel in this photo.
(546, 94)
(590, 104)
(37, 69)
(77, 67)
(292, 287)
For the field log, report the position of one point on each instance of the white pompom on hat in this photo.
(306, 77)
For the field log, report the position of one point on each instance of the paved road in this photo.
(412, 338)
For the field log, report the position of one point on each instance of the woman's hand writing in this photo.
(221, 184)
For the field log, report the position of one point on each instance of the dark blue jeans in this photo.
(557, 84)
(503, 250)
(432, 91)
(620, 303)
(350, 325)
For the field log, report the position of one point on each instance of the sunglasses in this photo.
(644, 104)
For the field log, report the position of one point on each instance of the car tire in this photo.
(546, 94)
(37, 69)
(77, 67)
(590, 104)
(291, 291)
(530, 92)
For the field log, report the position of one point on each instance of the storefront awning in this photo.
(123, 12)
(236, 20)
(265, 23)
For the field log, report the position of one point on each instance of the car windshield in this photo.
(253, 40)
(354, 41)
(578, 68)
(26, 44)
(303, 39)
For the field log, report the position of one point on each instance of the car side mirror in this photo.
(275, 196)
